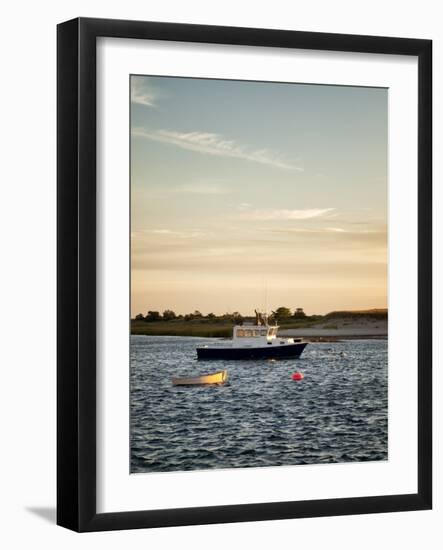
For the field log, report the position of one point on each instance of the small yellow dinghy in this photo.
(216, 378)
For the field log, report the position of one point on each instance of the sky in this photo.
(250, 195)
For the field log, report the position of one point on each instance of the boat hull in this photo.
(269, 352)
(216, 378)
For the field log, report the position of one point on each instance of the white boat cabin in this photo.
(254, 335)
(258, 334)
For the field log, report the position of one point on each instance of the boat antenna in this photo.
(266, 296)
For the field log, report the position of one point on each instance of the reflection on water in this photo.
(261, 417)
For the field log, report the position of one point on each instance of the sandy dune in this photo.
(341, 329)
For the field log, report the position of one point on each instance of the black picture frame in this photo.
(76, 280)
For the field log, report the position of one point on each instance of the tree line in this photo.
(281, 314)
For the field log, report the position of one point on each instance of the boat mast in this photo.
(261, 319)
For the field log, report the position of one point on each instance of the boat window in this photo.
(250, 333)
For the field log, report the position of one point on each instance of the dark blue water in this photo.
(338, 413)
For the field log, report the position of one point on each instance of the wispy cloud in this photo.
(215, 144)
(141, 93)
(335, 229)
(337, 238)
(178, 234)
(202, 188)
(276, 214)
(244, 206)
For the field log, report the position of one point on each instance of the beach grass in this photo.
(222, 328)
(204, 329)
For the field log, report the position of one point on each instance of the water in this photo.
(261, 417)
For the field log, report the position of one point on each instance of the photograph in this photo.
(259, 274)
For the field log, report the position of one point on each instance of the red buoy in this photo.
(297, 376)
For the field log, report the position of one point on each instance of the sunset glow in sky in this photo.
(247, 192)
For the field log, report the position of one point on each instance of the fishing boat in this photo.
(216, 378)
(257, 340)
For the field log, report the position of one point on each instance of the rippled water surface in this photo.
(261, 417)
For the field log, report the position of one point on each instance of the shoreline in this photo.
(331, 329)
(324, 339)
(311, 338)
(334, 335)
